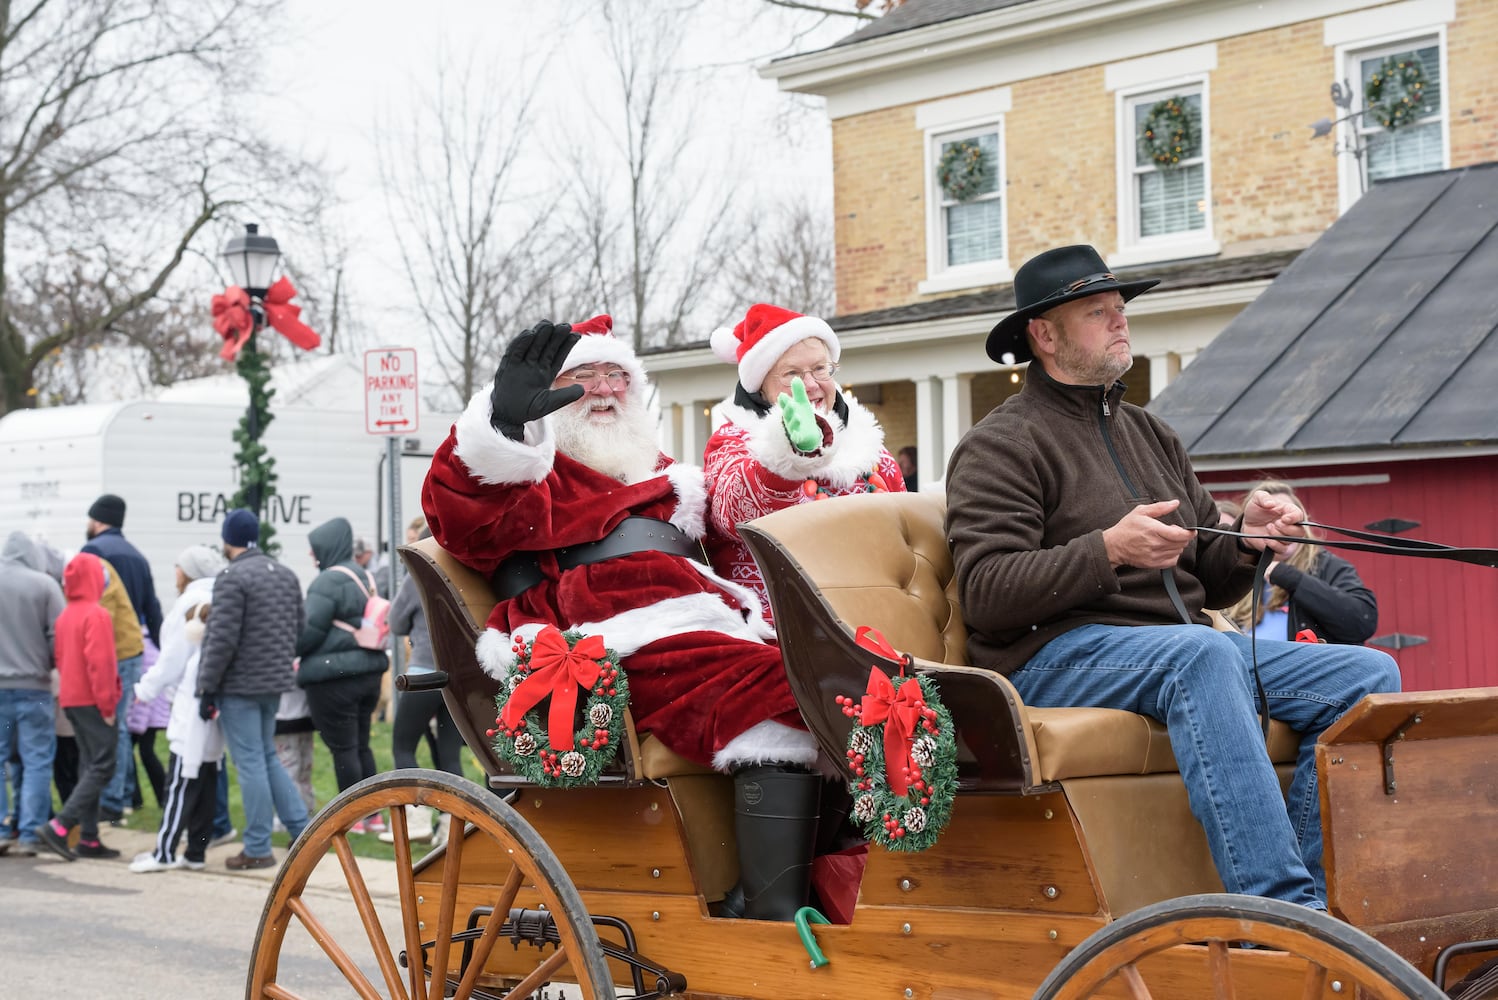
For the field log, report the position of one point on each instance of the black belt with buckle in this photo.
(521, 571)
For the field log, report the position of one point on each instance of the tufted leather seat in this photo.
(882, 560)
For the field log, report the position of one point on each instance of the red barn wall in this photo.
(1453, 605)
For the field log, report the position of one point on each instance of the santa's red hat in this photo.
(599, 346)
(765, 334)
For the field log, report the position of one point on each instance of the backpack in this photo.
(374, 629)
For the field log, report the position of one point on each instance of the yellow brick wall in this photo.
(1270, 181)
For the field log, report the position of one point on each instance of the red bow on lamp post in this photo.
(234, 319)
(558, 671)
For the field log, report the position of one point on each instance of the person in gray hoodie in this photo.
(341, 678)
(30, 602)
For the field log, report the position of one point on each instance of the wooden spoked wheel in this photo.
(366, 955)
(1298, 953)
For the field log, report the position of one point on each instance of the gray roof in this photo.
(992, 303)
(1381, 335)
(920, 13)
(987, 306)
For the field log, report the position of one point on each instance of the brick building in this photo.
(1034, 112)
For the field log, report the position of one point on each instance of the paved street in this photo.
(93, 928)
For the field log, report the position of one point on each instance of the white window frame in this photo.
(975, 113)
(1349, 58)
(1133, 248)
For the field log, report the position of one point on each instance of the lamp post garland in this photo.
(240, 312)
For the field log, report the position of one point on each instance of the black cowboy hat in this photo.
(1047, 280)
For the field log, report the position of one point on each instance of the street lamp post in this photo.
(252, 259)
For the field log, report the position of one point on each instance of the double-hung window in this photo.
(966, 201)
(1417, 143)
(1165, 188)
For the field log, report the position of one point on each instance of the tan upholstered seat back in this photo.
(883, 561)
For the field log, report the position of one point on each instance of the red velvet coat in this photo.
(701, 664)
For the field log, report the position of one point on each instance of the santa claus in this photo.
(551, 484)
(791, 436)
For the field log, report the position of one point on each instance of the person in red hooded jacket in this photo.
(89, 694)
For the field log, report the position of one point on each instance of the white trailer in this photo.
(172, 460)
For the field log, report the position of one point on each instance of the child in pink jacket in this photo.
(89, 693)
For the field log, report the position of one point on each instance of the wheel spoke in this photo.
(452, 865)
(359, 890)
(340, 958)
(1135, 982)
(1315, 982)
(406, 880)
(275, 991)
(485, 944)
(541, 974)
(1220, 967)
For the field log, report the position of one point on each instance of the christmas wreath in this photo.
(1168, 135)
(562, 751)
(1395, 95)
(962, 171)
(903, 752)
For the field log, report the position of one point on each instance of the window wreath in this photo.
(1168, 135)
(962, 171)
(556, 749)
(1395, 95)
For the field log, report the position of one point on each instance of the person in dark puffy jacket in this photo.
(244, 666)
(341, 678)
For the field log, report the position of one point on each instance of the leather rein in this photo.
(1367, 541)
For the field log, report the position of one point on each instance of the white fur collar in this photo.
(854, 452)
(690, 517)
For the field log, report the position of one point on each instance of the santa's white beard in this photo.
(623, 447)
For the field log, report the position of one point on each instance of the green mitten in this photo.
(799, 418)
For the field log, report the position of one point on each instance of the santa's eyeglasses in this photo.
(617, 379)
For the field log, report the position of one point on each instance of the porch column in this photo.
(1163, 370)
(956, 418)
(928, 429)
(691, 445)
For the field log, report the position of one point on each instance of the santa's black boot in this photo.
(775, 819)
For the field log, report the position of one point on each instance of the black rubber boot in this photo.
(775, 819)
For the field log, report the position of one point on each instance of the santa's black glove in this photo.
(207, 707)
(522, 385)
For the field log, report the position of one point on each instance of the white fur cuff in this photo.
(494, 459)
(767, 742)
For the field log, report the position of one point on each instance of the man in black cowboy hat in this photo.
(1071, 515)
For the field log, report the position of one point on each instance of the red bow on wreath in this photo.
(233, 321)
(899, 711)
(558, 671)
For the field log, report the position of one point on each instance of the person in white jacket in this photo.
(197, 746)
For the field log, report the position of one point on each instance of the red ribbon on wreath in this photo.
(900, 711)
(234, 322)
(561, 672)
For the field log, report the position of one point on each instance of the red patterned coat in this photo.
(702, 665)
(752, 469)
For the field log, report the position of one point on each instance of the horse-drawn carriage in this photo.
(1071, 865)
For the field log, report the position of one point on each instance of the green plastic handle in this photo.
(805, 917)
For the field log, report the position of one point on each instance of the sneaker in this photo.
(56, 842)
(110, 815)
(224, 838)
(243, 862)
(375, 823)
(147, 862)
(360, 827)
(24, 849)
(191, 865)
(86, 849)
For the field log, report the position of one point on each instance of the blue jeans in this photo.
(28, 724)
(119, 792)
(249, 724)
(1199, 683)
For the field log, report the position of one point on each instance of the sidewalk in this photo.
(379, 875)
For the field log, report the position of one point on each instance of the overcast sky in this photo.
(341, 66)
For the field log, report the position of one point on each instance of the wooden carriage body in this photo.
(1065, 819)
